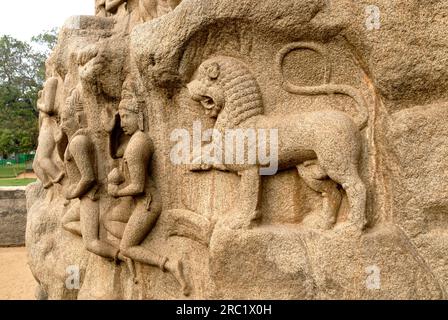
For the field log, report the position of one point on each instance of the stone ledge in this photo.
(12, 216)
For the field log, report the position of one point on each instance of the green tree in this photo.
(22, 73)
(47, 40)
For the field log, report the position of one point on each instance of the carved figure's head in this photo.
(226, 88)
(131, 108)
(73, 116)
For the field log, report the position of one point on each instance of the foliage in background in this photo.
(22, 74)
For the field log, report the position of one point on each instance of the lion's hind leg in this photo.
(348, 177)
(317, 179)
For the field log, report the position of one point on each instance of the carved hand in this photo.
(70, 192)
(108, 119)
(112, 189)
(59, 135)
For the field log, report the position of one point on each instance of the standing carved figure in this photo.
(44, 166)
(80, 165)
(137, 192)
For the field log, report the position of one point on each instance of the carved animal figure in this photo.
(330, 140)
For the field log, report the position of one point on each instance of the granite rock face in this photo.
(12, 217)
(217, 149)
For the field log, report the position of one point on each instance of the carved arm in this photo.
(81, 149)
(137, 158)
(49, 96)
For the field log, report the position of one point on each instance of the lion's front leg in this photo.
(247, 210)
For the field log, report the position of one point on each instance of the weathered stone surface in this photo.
(345, 99)
(12, 217)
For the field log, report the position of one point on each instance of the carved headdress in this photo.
(75, 107)
(131, 100)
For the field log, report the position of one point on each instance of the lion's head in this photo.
(227, 90)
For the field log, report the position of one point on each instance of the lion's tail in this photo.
(362, 116)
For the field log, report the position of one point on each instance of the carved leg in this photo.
(116, 221)
(51, 169)
(90, 213)
(71, 220)
(175, 267)
(247, 209)
(140, 224)
(356, 194)
(137, 229)
(45, 163)
(40, 173)
(316, 178)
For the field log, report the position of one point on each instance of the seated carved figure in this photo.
(322, 145)
(140, 204)
(44, 166)
(80, 166)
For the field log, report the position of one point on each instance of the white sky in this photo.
(23, 19)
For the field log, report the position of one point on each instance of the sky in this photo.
(23, 19)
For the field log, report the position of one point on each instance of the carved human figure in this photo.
(321, 145)
(137, 192)
(80, 166)
(44, 166)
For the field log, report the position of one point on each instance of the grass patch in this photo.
(12, 171)
(15, 182)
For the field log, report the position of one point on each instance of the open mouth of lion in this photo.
(207, 102)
